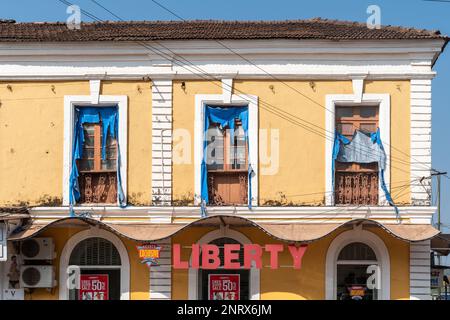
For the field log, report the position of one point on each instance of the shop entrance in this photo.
(99, 262)
(352, 272)
(224, 284)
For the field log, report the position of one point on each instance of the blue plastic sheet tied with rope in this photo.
(108, 117)
(363, 148)
(224, 118)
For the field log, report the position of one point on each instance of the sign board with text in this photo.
(94, 287)
(223, 286)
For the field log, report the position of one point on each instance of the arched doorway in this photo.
(99, 261)
(348, 258)
(352, 275)
(96, 252)
(220, 237)
(241, 275)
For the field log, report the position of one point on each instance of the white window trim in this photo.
(69, 118)
(368, 238)
(224, 232)
(333, 100)
(236, 100)
(95, 232)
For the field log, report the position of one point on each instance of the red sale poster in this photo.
(93, 287)
(223, 286)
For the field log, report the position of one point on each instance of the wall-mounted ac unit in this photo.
(38, 249)
(37, 277)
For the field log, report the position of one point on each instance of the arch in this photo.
(374, 242)
(98, 233)
(224, 232)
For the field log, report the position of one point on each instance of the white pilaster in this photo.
(419, 274)
(420, 141)
(162, 142)
(161, 275)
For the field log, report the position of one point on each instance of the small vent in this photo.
(31, 276)
(30, 248)
(95, 252)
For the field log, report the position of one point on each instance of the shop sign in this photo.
(93, 287)
(209, 259)
(223, 286)
(357, 292)
(149, 253)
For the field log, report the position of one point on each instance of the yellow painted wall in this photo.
(302, 153)
(308, 283)
(139, 275)
(31, 139)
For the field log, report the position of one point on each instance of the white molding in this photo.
(94, 86)
(91, 233)
(69, 117)
(254, 283)
(370, 239)
(241, 100)
(288, 59)
(358, 88)
(383, 101)
(157, 214)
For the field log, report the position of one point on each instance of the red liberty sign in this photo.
(252, 255)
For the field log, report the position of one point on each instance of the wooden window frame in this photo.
(356, 172)
(227, 171)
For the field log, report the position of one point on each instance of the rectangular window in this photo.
(97, 176)
(356, 183)
(227, 162)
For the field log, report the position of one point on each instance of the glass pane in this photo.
(346, 129)
(357, 251)
(111, 153)
(368, 112)
(352, 283)
(368, 127)
(346, 112)
(215, 149)
(88, 140)
(110, 142)
(88, 153)
(109, 164)
(86, 165)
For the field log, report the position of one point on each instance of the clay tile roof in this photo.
(316, 28)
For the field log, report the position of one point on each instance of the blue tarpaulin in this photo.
(225, 118)
(363, 148)
(108, 117)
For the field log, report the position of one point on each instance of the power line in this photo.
(263, 70)
(269, 107)
(320, 133)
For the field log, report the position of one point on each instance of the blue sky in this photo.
(414, 13)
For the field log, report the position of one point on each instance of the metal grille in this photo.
(356, 188)
(95, 252)
(357, 251)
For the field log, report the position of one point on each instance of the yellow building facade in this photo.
(146, 181)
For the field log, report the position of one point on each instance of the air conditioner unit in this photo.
(37, 277)
(38, 249)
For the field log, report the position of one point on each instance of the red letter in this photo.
(229, 256)
(274, 249)
(177, 263)
(210, 252)
(195, 256)
(297, 255)
(252, 252)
